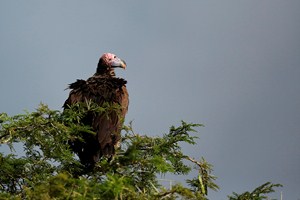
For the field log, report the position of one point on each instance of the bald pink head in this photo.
(108, 61)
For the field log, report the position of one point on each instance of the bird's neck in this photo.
(105, 72)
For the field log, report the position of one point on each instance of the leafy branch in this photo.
(49, 168)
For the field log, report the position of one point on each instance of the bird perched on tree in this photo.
(102, 88)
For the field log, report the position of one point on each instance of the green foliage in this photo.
(49, 169)
(257, 194)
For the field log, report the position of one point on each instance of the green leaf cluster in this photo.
(49, 169)
(258, 193)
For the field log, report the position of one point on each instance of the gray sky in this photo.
(231, 65)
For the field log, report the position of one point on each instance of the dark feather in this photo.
(99, 89)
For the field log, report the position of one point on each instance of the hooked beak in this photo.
(117, 62)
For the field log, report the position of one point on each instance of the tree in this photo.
(50, 170)
(258, 193)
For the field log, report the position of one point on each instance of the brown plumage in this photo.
(102, 87)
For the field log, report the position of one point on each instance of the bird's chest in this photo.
(106, 92)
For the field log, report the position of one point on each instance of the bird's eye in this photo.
(115, 56)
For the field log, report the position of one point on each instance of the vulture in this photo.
(102, 88)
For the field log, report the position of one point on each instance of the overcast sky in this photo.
(231, 65)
